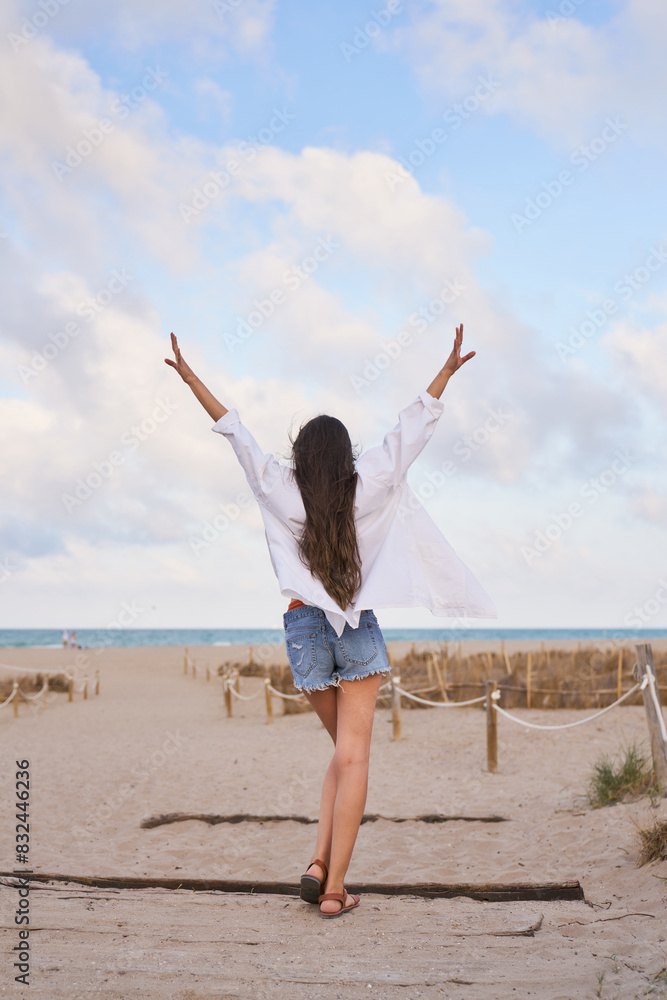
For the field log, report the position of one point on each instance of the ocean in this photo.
(90, 638)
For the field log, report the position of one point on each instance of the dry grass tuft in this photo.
(630, 778)
(653, 842)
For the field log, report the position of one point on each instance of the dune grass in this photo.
(629, 777)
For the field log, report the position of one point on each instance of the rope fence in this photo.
(644, 667)
(32, 670)
(648, 685)
(565, 725)
(438, 704)
(17, 695)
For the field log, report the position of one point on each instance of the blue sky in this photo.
(534, 134)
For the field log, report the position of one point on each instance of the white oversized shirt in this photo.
(405, 559)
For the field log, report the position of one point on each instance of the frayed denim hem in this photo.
(336, 679)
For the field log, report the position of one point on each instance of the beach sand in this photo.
(156, 741)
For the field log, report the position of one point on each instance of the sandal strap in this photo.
(322, 865)
(338, 896)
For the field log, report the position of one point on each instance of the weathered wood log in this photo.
(214, 818)
(497, 892)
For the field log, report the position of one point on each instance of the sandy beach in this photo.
(155, 741)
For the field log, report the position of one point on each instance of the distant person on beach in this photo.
(345, 537)
(65, 638)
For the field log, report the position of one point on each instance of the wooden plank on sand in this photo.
(214, 818)
(498, 892)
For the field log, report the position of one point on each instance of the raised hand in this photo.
(213, 406)
(179, 364)
(454, 361)
(451, 365)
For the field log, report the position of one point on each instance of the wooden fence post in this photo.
(395, 700)
(619, 674)
(395, 708)
(529, 680)
(97, 682)
(227, 691)
(491, 728)
(185, 660)
(654, 717)
(70, 687)
(269, 702)
(438, 674)
(507, 660)
(15, 692)
(85, 687)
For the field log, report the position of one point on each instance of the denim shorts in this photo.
(319, 658)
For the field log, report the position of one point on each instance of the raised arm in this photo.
(213, 407)
(451, 365)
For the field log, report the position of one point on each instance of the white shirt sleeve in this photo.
(262, 470)
(390, 461)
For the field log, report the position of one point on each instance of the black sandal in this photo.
(311, 887)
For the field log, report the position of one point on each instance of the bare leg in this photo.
(346, 781)
(324, 703)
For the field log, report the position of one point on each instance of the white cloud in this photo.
(398, 249)
(212, 93)
(559, 76)
(650, 505)
(641, 355)
(207, 29)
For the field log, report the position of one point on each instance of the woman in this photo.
(345, 538)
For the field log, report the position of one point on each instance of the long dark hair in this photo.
(327, 480)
